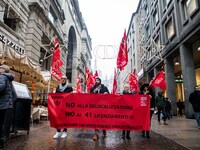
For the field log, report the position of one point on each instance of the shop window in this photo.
(170, 28)
(11, 19)
(52, 17)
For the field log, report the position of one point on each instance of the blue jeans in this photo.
(197, 116)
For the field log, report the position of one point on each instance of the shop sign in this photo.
(11, 44)
(178, 80)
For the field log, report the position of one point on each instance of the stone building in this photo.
(168, 38)
(27, 31)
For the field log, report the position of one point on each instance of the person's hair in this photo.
(7, 69)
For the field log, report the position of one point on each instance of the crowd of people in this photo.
(159, 104)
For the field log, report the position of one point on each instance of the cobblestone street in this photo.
(40, 138)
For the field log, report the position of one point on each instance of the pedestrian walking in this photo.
(6, 102)
(168, 108)
(160, 104)
(194, 99)
(126, 91)
(180, 106)
(146, 90)
(97, 89)
(63, 87)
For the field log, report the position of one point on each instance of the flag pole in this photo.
(49, 83)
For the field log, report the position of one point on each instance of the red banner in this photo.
(114, 89)
(99, 111)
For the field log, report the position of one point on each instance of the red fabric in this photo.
(89, 80)
(133, 81)
(78, 87)
(122, 58)
(56, 61)
(114, 89)
(159, 81)
(95, 75)
(99, 111)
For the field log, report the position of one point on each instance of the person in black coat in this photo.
(145, 89)
(6, 102)
(194, 99)
(99, 88)
(63, 87)
(126, 91)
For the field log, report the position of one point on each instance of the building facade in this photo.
(27, 31)
(168, 38)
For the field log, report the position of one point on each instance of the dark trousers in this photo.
(59, 130)
(126, 132)
(2, 116)
(163, 112)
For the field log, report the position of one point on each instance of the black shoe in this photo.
(148, 136)
(123, 136)
(128, 137)
(143, 134)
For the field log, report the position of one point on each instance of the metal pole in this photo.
(49, 83)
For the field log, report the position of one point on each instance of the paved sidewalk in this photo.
(180, 130)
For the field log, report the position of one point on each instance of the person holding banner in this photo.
(126, 91)
(63, 87)
(145, 89)
(99, 88)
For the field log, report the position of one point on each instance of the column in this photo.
(188, 72)
(170, 84)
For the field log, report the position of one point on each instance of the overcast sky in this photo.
(106, 21)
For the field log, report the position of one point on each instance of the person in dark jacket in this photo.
(99, 88)
(194, 99)
(126, 91)
(160, 104)
(63, 87)
(6, 102)
(168, 107)
(145, 89)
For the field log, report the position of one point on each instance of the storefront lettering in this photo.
(11, 44)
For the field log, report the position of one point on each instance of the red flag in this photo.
(114, 89)
(56, 61)
(122, 58)
(89, 80)
(133, 81)
(159, 81)
(78, 87)
(95, 75)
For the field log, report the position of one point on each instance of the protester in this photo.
(194, 99)
(160, 104)
(145, 89)
(168, 108)
(6, 102)
(97, 89)
(126, 91)
(63, 87)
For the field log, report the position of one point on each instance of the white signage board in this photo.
(21, 90)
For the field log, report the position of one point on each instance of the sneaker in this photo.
(165, 123)
(64, 135)
(57, 135)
